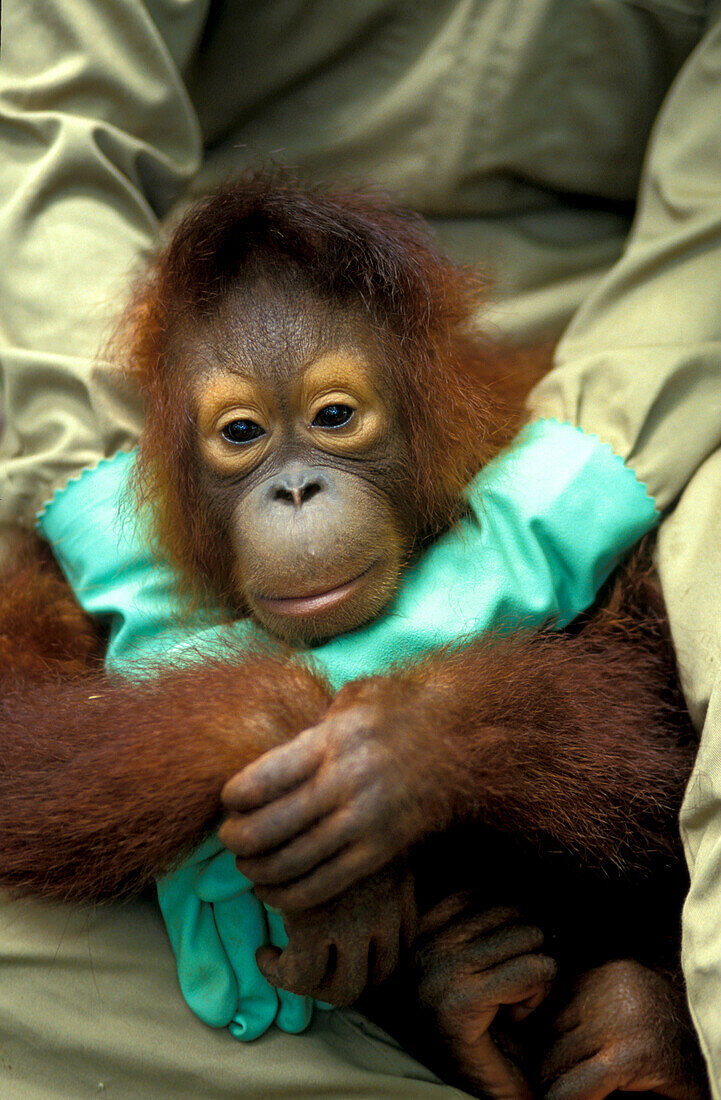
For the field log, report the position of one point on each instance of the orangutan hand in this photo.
(469, 966)
(342, 799)
(353, 943)
(626, 1029)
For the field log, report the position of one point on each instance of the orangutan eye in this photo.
(242, 431)
(333, 416)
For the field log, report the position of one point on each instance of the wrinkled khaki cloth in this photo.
(90, 1010)
(689, 562)
(574, 146)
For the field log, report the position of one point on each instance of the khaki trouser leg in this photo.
(90, 1007)
(690, 566)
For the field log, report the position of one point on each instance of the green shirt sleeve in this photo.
(97, 140)
(640, 364)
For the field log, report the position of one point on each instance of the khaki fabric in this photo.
(689, 563)
(525, 129)
(89, 1007)
(574, 146)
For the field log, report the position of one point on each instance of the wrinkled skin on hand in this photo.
(616, 1033)
(351, 944)
(341, 799)
(469, 967)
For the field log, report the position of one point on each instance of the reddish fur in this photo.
(105, 783)
(102, 785)
(547, 738)
(43, 631)
(573, 740)
(352, 247)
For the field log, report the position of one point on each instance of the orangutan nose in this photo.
(297, 487)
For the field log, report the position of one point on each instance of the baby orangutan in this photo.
(317, 398)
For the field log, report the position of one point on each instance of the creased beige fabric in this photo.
(527, 129)
(689, 562)
(521, 128)
(89, 1007)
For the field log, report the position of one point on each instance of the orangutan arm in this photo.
(565, 738)
(105, 783)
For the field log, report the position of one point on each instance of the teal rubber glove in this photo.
(548, 521)
(215, 924)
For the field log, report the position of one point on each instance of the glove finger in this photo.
(206, 976)
(242, 927)
(219, 879)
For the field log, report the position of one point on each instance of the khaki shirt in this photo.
(571, 146)
(526, 129)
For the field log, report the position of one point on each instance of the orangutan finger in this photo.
(575, 1046)
(275, 772)
(251, 835)
(504, 944)
(490, 1072)
(593, 1079)
(348, 977)
(303, 970)
(327, 881)
(383, 956)
(521, 979)
(300, 855)
(455, 912)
